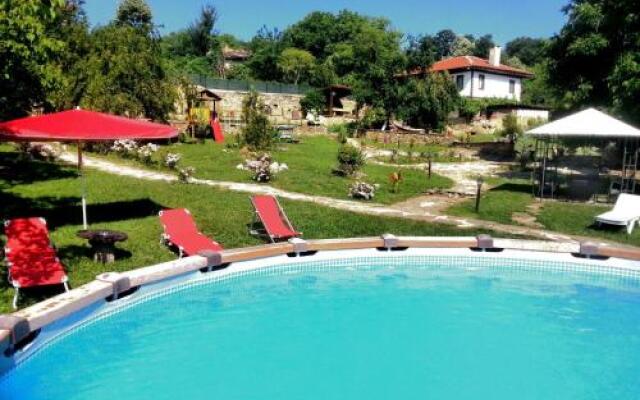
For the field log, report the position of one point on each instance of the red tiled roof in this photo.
(475, 63)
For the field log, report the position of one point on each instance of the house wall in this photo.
(496, 86)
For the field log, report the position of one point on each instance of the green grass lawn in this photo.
(310, 163)
(498, 204)
(578, 219)
(129, 205)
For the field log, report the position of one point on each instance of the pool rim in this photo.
(18, 327)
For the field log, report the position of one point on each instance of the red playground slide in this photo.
(216, 128)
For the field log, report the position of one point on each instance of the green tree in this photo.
(27, 49)
(594, 59)
(135, 13)
(482, 46)
(530, 51)
(266, 47)
(444, 43)
(462, 46)
(126, 74)
(201, 31)
(296, 64)
(257, 132)
(72, 29)
(427, 102)
(422, 51)
(377, 59)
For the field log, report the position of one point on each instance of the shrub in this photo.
(39, 151)
(313, 102)
(145, 153)
(350, 159)
(257, 133)
(125, 148)
(171, 160)
(185, 174)
(373, 118)
(511, 127)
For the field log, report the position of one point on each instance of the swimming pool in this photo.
(434, 323)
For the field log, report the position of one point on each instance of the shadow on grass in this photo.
(67, 211)
(16, 169)
(513, 187)
(74, 252)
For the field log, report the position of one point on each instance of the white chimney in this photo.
(494, 56)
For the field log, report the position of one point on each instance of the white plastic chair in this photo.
(626, 212)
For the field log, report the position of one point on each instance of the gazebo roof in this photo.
(589, 123)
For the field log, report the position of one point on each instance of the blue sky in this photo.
(505, 19)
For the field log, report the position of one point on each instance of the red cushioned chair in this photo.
(275, 222)
(31, 259)
(181, 231)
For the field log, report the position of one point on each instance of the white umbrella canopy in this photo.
(589, 123)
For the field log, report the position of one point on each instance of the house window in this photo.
(512, 86)
(460, 82)
(481, 81)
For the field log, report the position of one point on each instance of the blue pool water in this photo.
(383, 330)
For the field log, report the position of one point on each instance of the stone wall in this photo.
(282, 108)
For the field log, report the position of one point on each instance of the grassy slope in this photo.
(41, 189)
(310, 163)
(498, 204)
(578, 219)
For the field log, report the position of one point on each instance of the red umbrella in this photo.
(82, 126)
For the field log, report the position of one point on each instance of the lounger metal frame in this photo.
(265, 231)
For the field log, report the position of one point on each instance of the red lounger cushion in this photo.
(32, 260)
(181, 230)
(269, 212)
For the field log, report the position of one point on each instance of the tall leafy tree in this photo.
(427, 101)
(201, 31)
(444, 42)
(462, 46)
(266, 48)
(26, 50)
(135, 13)
(594, 59)
(126, 73)
(528, 50)
(377, 60)
(422, 51)
(296, 64)
(482, 46)
(72, 29)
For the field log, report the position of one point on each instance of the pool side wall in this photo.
(16, 328)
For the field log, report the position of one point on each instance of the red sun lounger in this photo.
(275, 221)
(31, 259)
(181, 231)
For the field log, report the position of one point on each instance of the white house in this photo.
(480, 78)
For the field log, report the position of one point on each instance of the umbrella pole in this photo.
(84, 188)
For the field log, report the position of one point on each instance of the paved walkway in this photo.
(423, 212)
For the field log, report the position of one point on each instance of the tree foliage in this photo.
(296, 64)
(126, 74)
(462, 46)
(529, 51)
(26, 50)
(135, 13)
(427, 102)
(482, 45)
(594, 59)
(257, 132)
(200, 32)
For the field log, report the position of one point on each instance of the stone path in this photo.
(418, 209)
